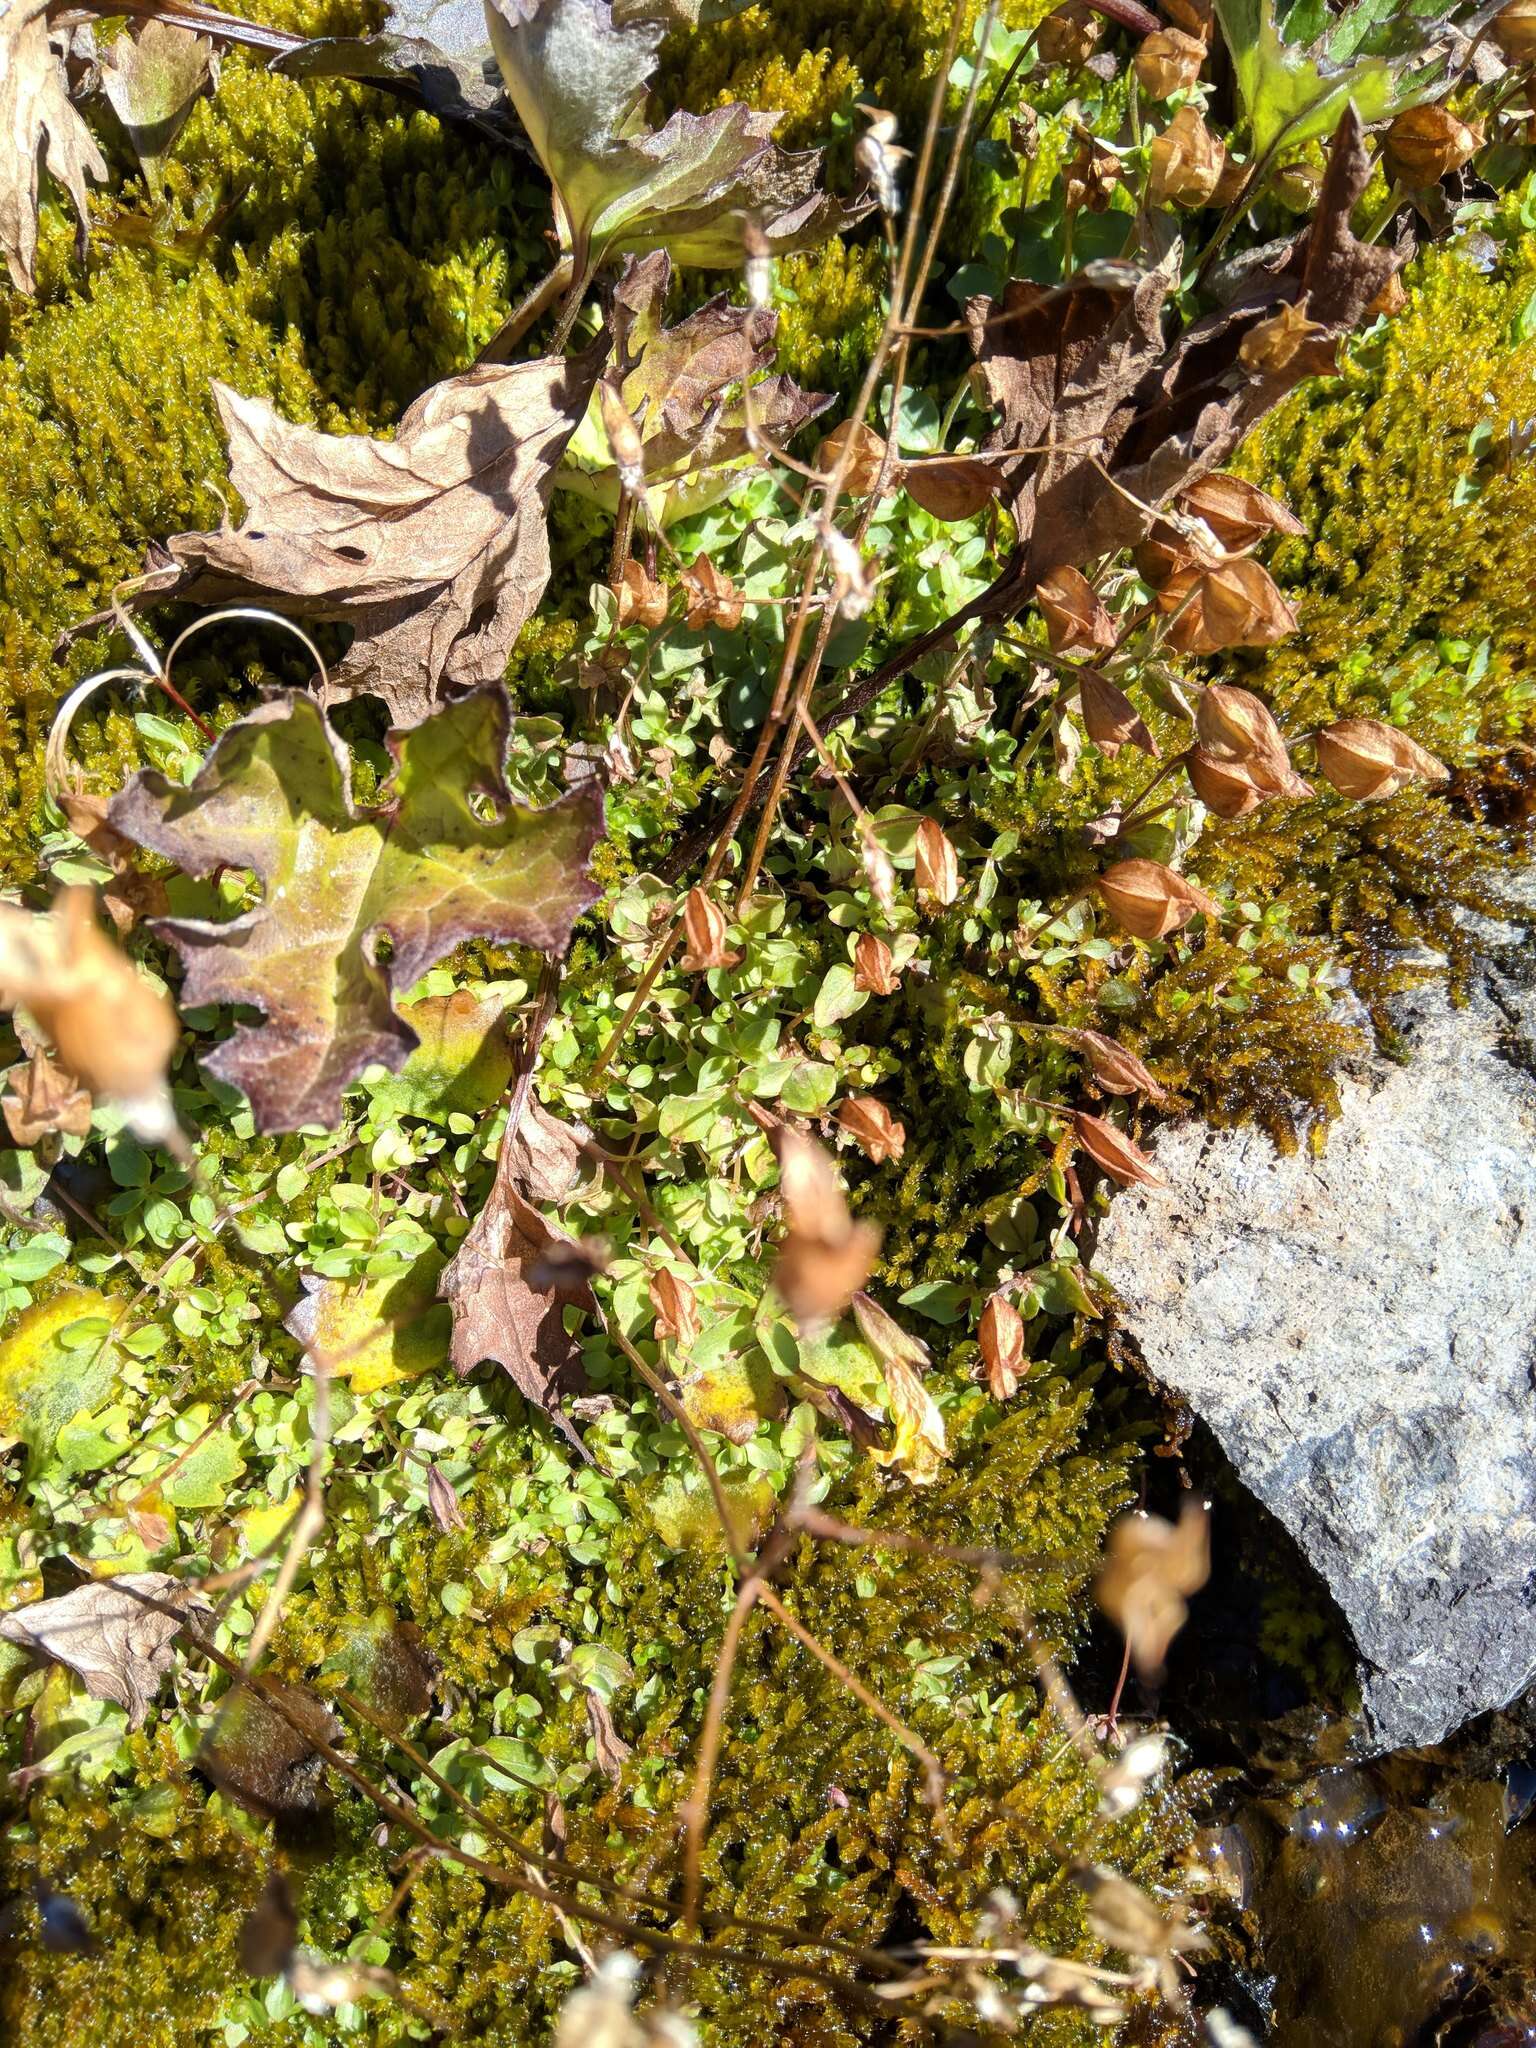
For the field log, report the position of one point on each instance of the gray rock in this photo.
(1359, 1331)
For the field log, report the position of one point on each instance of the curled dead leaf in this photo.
(937, 869)
(705, 930)
(1365, 759)
(1150, 1569)
(1110, 719)
(874, 969)
(826, 1256)
(38, 125)
(1148, 900)
(675, 1307)
(1110, 1148)
(872, 1127)
(1000, 1334)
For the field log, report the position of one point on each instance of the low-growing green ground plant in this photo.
(761, 706)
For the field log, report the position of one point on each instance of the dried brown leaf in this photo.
(545, 1158)
(713, 599)
(38, 126)
(42, 1101)
(872, 1127)
(864, 463)
(112, 1633)
(642, 600)
(1076, 618)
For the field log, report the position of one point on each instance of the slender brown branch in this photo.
(695, 1808)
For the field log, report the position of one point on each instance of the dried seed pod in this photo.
(1364, 759)
(864, 461)
(1273, 344)
(878, 157)
(705, 927)
(1425, 143)
(826, 1256)
(1185, 162)
(1001, 1336)
(1195, 17)
(937, 867)
(1117, 1071)
(1113, 1150)
(443, 1501)
(1150, 1568)
(878, 871)
(1236, 604)
(675, 1306)
(1237, 727)
(1110, 719)
(1389, 301)
(872, 1127)
(1169, 61)
(874, 970)
(1148, 900)
(642, 599)
(1069, 35)
(1076, 617)
(1225, 787)
(1513, 30)
(623, 433)
(951, 486)
(713, 599)
(1236, 511)
(42, 1100)
(1163, 552)
(1092, 175)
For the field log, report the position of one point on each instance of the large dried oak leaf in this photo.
(432, 547)
(424, 869)
(37, 125)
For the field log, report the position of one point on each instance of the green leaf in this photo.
(424, 870)
(49, 1373)
(579, 84)
(1295, 76)
(463, 1061)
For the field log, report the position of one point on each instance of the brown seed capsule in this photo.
(826, 1256)
(866, 454)
(1162, 553)
(1001, 1336)
(873, 1129)
(642, 599)
(676, 1308)
(1195, 17)
(1148, 900)
(705, 926)
(1235, 604)
(1274, 344)
(1235, 726)
(1114, 1151)
(1365, 759)
(1117, 1071)
(1076, 617)
(1092, 176)
(713, 599)
(1513, 30)
(1224, 787)
(1069, 35)
(1110, 719)
(937, 867)
(1185, 162)
(1389, 301)
(1236, 511)
(1233, 182)
(623, 433)
(1424, 144)
(1169, 61)
(874, 970)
